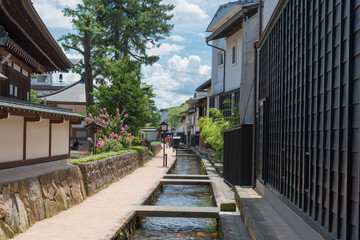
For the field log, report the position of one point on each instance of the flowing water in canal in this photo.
(181, 195)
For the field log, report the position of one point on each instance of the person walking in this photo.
(167, 140)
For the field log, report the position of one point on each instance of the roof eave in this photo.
(234, 24)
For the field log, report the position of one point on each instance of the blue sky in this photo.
(185, 59)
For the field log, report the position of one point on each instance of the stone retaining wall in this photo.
(22, 203)
(99, 174)
(156, 148)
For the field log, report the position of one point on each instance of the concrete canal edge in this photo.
(52, 188)
(231, 225)
(128, 223)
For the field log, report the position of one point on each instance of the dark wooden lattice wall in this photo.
(309, 119)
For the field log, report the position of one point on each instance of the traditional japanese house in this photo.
(202, 106)
(29, 133)
(71, 97)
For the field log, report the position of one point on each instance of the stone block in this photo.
(36, 201)
(22, 217)
(51, 208)
(6, 230)
(2, 207)
(228, 206)
(31, 217)
(24, 195)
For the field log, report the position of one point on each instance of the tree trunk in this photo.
(88, 78)
(89, 85)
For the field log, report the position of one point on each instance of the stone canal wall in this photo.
(99, 174)
(22, 203)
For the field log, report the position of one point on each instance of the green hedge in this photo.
(97, 157)
(155, 143)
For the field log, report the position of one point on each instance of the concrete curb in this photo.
(254, 221)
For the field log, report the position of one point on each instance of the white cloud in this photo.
(165, 49)
(52, 16)
(177, 38)
(188, 11)
(60, 3)
(189, 64)
(176, 83)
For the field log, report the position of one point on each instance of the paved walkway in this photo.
(101, 215)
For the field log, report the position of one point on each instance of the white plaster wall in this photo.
(233, 71)
(37, 139)
(151, 136)
(269, 7)
(246, 106)
(11, 139)
(179, 128)
(60, 139)
(217, 72)
(208, 101)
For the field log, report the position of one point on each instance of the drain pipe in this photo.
(254, 116)
(232, 187)
(260, 17)
(223, 50)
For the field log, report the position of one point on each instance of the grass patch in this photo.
(93, 158)
(97, 157)
(155, 143)
(139, 149)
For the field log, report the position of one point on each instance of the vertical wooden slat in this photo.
(50, 133)
(310, 111)
(324, 119)
(24, 141)
(304, 108)
(331, 100)
(349, 70)
(339, 177)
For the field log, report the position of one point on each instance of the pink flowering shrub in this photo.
(114, 136)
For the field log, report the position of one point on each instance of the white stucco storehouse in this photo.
(229, 58)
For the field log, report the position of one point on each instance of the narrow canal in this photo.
(185, 196)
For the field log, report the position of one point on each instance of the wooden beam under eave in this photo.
(57, 121)
(75, 121)
(33, 119)
(4, 115)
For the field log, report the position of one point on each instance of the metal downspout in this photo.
(255, 96)
(254, 123)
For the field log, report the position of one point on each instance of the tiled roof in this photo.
(32, 107)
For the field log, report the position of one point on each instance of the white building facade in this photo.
(228, 58)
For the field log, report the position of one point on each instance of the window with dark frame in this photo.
(220, 58)
(234, 54)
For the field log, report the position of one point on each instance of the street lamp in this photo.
(164, 128)
(94, 127)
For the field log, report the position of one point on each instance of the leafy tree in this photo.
(86, 41)
(175, 113)
(133, 25)
(33, 97)
(212, 129)
(125, 91)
